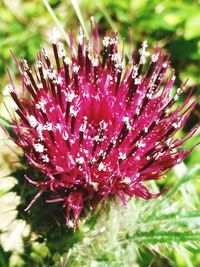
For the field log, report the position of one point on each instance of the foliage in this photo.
(114, 235)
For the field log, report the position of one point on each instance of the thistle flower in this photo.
(95, 126)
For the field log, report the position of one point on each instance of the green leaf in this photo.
(4, 258)
(192, 27)
(176, 218)
(155, 237)
(7, 125)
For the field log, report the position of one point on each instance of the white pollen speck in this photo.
(135, 71)
(176, 125)
(39, 129)
(41, 105)
(58, 127)
(96, 138)
(149, 95)
(137, 111)
(122, 156)
(72, 141)
(32, 120)
(70, 97)
(26, 81)
(115, 57)
(75, 68)
(138, 80)
(8, 89)
(101, 152)
(40, 86)
(103, 124)
(51, 73)
(95, 185)
(52, 109)
(114, 41)
(119, 65)
(39, 63)
(164, 65)
(154, 57)
(92, 160)
(65, 135)
(45, 158)
(39, 147)
(176, 97)
(106, 41)
(145, 45)
(44, 52)
(140, 144)
(95, 62)
(126, 180)
(173, 78)
(61, 50)
(179, 90)
(83, 127)
(86, 151)
(67, 61)
(73, 112)
(58, 81)
(25, 64)
(157, 155)
(143, 52)
(126, 119)
(169, 141)
(48, 126)
(101, 166)
(80, 160)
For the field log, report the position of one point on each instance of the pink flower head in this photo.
(96, 126)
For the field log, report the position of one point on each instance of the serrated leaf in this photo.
(155, 237)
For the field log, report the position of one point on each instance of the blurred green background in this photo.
(25, 26)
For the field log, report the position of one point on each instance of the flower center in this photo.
(98, 110)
